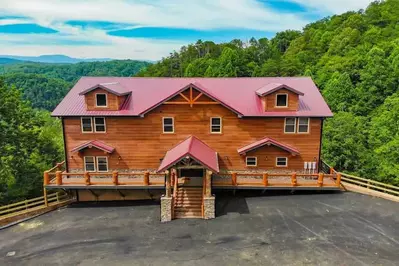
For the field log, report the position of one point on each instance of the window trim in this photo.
(106, 100)
(286, 103)
(286, 161)
(297, 130)
(98, 168)
(256, 161)
(94, 162)
(221, 125)
(285, 125)
(95, 125)
(91, 123)
(163, 125)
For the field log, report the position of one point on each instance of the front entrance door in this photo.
(191, 177)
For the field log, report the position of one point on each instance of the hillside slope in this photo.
(353, 58)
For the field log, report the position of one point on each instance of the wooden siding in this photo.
(140, 144)
(113, 101)
(269, 101)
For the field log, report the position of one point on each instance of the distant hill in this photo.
(6, 61)
(57, 59)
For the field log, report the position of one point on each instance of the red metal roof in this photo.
(96, 144)
(272, 87)
(195, 149)
(238, 94)
(267, 141)
(112, 87)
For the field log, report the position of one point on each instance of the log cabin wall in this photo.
(113, 101)
(269, 101)
(140, 144)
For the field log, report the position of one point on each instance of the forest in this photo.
(354, 60)
(352, 57)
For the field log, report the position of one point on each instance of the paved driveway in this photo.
(300, 229)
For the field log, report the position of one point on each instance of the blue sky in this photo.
(148, 29)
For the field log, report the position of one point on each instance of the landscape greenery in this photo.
(353, 58)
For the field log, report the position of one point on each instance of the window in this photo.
(281, 100)
(251, 161)
(102, 164)
(168, 125)
(101, 100)
(289, 125)
(216, 125)
(303, 125)
(87, 124)
(90, 165)
(281, 161)
(99, 124)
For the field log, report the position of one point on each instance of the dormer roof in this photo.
(272, 87)
(112, 87)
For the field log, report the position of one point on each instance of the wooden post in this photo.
(58, 178)
(168, 184)
(46, 178)
(320, 180)
(45, 197)
(331, 170)
(58, 196)
(87, 178)
(234, 179)
(338, 181)
(265, 179)
(59, 166)
(293, 180)
(115, 180)
(146, 179)
(208, 183)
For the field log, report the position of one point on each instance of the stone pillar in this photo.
(166, 209)
(209, 207)
(168, 187)
(208, 183)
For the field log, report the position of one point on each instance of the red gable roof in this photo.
(238, 94)
(195, 149)
(272, 87)
(96, 144)
(112, 87)
(267, 141)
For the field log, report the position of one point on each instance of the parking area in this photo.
(250, 229)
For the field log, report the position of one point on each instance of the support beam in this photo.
(46, 178)
(234, 179)
(265, 179)
(121, 194)
(58, 178)
(320, 179)
(45, 196)
(146, 179)
(94, 194)
(208, 184)
(168, 184)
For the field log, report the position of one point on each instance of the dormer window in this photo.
(282, 100)
(101, 100)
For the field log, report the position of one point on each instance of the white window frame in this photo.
(94, 162)
(252, 157)
(221, 124)
(106, 100)
(286, 161)
(308, 125)
(163, 125)
(285, 125)
(95, 125)
(98, 168)
(286, 103)
(81, 124)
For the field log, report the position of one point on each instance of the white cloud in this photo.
(334, 6)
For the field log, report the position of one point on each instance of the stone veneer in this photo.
(209, 207)
(166, 209)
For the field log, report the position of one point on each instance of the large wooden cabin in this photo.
(131, 138)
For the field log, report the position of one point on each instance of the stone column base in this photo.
(209, 207)
(166, 209)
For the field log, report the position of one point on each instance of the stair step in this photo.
(189, 213)
(187, 206)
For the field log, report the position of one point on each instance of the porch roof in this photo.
(267, 141)
(96, 144)
(196, 150)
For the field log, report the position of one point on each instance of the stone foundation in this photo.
(209, 207)
(166, 209)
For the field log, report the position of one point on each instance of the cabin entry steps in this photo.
(188, 202)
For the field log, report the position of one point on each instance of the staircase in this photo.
(188, 202)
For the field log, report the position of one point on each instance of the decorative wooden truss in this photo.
(190, 97)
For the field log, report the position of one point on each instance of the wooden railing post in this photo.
(331, 170)
(265, 179)
(293, 180)
(115, 180)
(58, 178)
(146, 179)
(338, 181)
(45, 197)
(168, 184)
(208, 185)
(59, 166)
(320, 180)
(234, 179)
(46, 178)
(87, 178)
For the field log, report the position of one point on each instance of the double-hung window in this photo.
(87, 124)
(102, 164)
(168, 125)
(90, 164)
(290, 125)
(99, 124)
(251, 161)
(303, 125)
(216, 125)
(281, 161)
